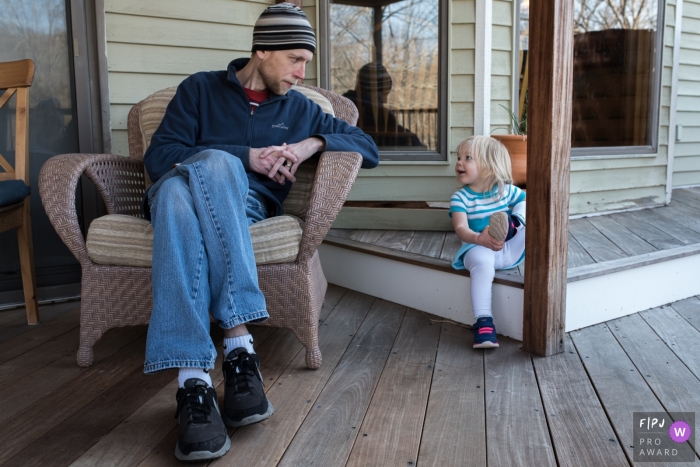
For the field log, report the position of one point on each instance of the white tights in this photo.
(482, 264)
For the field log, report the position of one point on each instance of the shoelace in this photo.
(199, 411)
(239, 373)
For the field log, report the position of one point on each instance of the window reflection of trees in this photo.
(614, 64)
(598, 15)
(409, 51)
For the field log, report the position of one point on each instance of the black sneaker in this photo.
(244, 397)
(202, 432)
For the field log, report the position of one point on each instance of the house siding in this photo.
(686, 164)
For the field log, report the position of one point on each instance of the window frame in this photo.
(620, 152)
(443, 46)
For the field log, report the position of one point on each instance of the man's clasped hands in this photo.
(280, 163)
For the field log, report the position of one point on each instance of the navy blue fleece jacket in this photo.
(211, 111)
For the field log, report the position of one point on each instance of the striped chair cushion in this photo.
(151, 113)
(119, 240)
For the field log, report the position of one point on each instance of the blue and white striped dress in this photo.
(479, 207)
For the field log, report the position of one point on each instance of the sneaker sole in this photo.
(251, 419)
(486, 345)
(498, 226)
(199, 456)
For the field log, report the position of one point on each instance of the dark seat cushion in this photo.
(12, 192)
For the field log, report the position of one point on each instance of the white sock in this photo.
(231, 343)
(187, 373)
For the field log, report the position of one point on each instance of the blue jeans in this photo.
(203, 259)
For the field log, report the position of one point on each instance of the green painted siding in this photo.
(502, 73)
(686, 163)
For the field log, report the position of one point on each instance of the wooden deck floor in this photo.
(395, 389)
(591, 240)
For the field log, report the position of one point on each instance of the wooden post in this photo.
(549, 152)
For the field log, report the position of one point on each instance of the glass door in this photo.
(40, 30)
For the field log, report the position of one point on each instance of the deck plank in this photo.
(620, 387)
(596, 244)
(341, 233)
(62, 403)
(649, 232)
(331, 427)
(35, 359)
(394, 420)
(454, 433)
(367, 236)
(25, 342)
(687, 197)
(20, 393)
(683, 214)
(12, 315)
(264, 443)
(674, 385)
(450, 247)
(70, 439)
(17, 325)
(581, 431)
(670, 227)
(516, 426)
(623, 238)
(282, 347)
(679, 335)
(395, 239)
(690, 310)
(427, 243)
(577, 255)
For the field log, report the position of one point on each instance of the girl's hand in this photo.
(487, 241)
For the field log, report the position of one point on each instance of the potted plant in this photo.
(516, 143)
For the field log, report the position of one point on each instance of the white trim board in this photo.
(589, 301)
(602, 298)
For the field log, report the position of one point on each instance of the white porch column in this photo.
(482, 68)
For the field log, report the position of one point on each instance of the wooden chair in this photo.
(16, 78)
(116, 295)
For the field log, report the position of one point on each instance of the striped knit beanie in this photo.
(283, 27)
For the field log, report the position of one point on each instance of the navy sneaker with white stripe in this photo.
(485, 334)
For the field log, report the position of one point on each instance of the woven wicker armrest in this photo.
(118, 179)
(335, 176)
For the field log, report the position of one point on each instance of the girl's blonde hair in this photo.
(491, 158)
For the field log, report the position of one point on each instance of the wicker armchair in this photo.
(116, 296)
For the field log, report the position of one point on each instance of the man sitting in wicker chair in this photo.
(223, 158)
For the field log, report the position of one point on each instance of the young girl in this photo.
(488, 215)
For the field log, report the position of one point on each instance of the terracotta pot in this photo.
(517, 148)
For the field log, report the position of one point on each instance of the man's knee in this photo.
(219, 163)
(173, 195)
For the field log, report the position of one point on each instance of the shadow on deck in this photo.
(397, 388)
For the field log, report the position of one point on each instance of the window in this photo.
(617, 61)
(385, 56)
